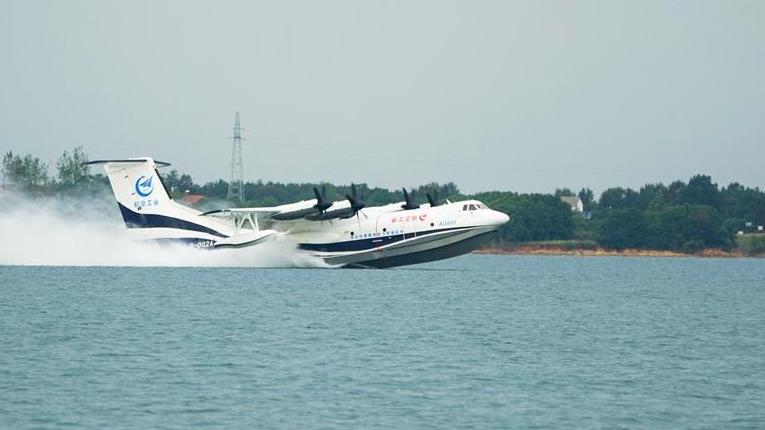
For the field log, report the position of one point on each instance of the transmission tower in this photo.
(236, 185)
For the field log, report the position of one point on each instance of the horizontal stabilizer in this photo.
(126, 161)
(216, 211)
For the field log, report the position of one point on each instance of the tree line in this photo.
(681, 216)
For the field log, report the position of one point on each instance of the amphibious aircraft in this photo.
(344, 233)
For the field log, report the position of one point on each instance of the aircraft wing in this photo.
(306, 209)
(240, 211)
(277, 213)
(318, 209)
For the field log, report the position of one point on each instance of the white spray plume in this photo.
(90, 232)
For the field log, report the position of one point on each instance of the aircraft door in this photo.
(408, 221)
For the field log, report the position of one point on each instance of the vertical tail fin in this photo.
(145, 202)
(136, 183)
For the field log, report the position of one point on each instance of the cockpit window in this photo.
(464, 207)
(472, 207)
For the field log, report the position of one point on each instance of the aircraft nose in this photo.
(499, 218)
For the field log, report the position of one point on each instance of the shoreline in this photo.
(602, 252)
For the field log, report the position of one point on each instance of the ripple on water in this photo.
(477, 341)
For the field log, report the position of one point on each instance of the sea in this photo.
(479, 342)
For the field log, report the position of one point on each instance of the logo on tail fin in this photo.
(143, 186)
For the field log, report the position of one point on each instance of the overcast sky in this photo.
(504, 95)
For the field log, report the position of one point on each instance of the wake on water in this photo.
(89, 232)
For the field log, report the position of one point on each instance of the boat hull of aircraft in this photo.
(416, 250)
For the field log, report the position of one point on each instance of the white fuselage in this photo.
(388, 236)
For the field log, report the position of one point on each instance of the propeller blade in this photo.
(433, 199)
(321, 202)
(357, 203)
(409, 202)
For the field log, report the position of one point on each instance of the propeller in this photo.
(409, 201)
(357, 203)
(433, 200)
(321, 199)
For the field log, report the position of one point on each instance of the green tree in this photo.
(701, 191)
(26, 171)
(532, 216)
(675, 192)
(652, 194)
(70, 167)
(186, 183)
(619, 198)
(737, 201)
(217, 189)
(177, 184)
(588, 199)
(439, 191)
(12, 167)
(623, 228)
(171, 179)
(688, 228)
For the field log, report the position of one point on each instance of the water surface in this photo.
(472, 342)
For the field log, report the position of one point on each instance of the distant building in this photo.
(574, 202)
(192, 199)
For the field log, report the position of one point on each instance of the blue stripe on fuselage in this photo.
(370, 243)
(139, 220)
